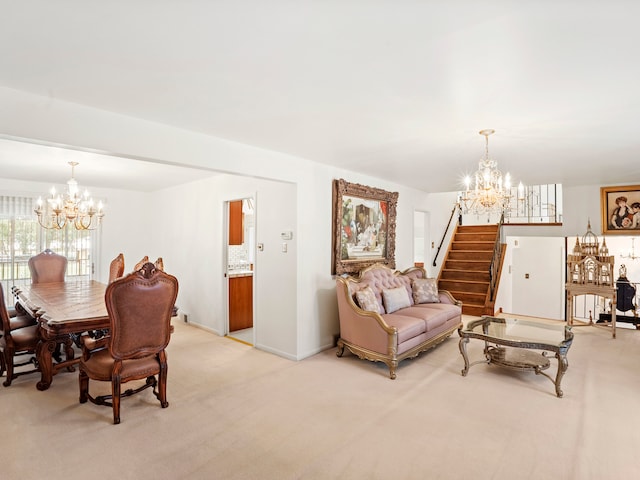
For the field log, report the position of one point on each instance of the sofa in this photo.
(388, 316)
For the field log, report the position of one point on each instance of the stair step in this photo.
(469, 265)
(485, 255)
(455, 274)
(477, 228)
(468, 297)
(469, 237)
(475, 245)
(464, 286)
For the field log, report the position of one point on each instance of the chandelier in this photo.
(72, 208)
(631, 255)
(491, 192)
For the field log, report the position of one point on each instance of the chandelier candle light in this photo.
(73, 208)
(490, 192)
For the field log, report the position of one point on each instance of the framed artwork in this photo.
(620, 210)
(364, 227)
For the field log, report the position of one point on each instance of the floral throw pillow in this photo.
(367, 300)
(395, 299)
(425, 290)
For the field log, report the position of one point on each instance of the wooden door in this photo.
(240, 303)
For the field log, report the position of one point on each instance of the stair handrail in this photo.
(495, 260)
(444, 235)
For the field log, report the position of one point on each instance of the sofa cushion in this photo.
(425, 290)
(367, 300)
(408, 327)
(432, 317)
(395, 298)
(446, 307)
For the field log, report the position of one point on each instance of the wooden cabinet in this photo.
(240, 302)
(236, 224)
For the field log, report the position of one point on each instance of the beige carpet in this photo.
(238, 413)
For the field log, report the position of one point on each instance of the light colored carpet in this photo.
(238, 413)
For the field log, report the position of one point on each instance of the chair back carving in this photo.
(47, 267)
(116, 268)
(140, 306)
(159, 264)
(139, 265)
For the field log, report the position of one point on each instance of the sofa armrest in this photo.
(446, 297)
(361, 327)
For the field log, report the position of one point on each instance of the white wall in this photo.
(316, 323)
(193, 249)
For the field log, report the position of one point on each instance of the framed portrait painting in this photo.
(620, 210)
(364, 227)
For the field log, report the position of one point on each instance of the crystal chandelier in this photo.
(490, 192)
(72, 208)
(631, 255)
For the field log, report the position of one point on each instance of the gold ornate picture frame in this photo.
(620, 208)
(364, 227)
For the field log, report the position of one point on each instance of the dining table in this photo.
(64, 311)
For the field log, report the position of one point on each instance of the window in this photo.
(22, 237)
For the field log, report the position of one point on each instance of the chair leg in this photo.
(83, 380)
(162, 387)
(8, 363)
(115, 398)
(3, 364)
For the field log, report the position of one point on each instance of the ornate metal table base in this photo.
(521, 354)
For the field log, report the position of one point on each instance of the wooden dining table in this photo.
(64, 311)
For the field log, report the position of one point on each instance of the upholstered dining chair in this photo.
(15, 341)
(116, 268)
(47, 267)
(140, 305)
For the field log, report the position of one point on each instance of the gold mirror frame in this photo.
(364, 227)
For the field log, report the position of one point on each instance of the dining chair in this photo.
(116, 268)
(139, 305)
(18, 317)
(47, 267)
(14, 342)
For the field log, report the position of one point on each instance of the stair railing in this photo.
(494, 267)
(444, 235)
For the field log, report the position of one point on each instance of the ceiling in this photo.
(397, 89)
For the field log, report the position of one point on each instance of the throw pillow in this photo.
(367, 300)
(395, 299)
(425, 290)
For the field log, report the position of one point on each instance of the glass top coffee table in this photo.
(519, 345)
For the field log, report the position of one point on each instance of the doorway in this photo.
(240, 270)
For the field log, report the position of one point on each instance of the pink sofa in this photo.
(391, 334)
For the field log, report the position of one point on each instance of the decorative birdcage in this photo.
(590, 262)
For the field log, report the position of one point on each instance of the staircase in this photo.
(465, 271)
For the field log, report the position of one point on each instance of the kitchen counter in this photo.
(240, 273)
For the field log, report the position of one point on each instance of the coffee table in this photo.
(519, 345)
